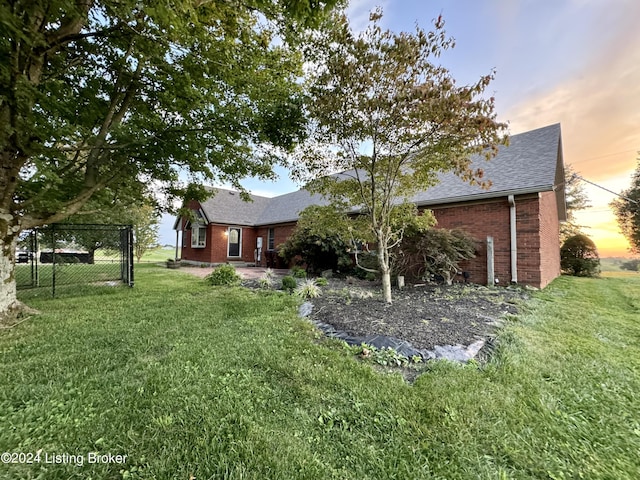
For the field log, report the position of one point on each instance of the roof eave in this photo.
(485, 196)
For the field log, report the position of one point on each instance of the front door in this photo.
(235, 237)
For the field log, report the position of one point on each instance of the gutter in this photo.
(514, 239)
(484, 196)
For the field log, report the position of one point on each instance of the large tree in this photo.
(390, 118)
(627, 210)
(96, 93)
(576, 199)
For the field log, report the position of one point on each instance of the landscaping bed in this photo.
(424, 320)
(425, 316)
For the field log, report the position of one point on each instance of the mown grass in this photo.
(189, 380)
(67, 274)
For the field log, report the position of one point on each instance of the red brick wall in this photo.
(216, 248)
(550, 238)
(482, 220)
(281, 233)
(538, 258)
(528, 227)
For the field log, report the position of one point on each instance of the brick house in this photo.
(516, 222)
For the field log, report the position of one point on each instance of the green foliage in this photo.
(266, 280)
(579, 257)
(391, 118)
(127, 91)
(322, 282)
(308, 289)
(320, 240)
(632, 265)
(223, 275)
(385, 356)
(436, 251)
(145, 223)
(106, 93)
(627, 210)
(298, 272)
(289, 283)
(575, 199)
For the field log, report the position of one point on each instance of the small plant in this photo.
(322, 282)
(298, 272)
(266, 280)
(385, 356)
(308, 289)
(289, 283)
(223, 275)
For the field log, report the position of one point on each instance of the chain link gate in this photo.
(70, 256)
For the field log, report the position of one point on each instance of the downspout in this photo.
(514, 239)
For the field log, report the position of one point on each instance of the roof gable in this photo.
(226, 206)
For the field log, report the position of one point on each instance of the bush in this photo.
(223, 275)
(632, 265)
(579, 257)
(316, 241)
(289, 283)
(437, 252)
(298, 272)
(322, 282)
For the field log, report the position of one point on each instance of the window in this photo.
(271, 239)
(234, 242)
(198, 236)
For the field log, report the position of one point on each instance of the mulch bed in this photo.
(426, 316)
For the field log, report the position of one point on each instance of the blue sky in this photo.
(576, 62)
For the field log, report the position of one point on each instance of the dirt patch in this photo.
(15, 315)
(427, 316)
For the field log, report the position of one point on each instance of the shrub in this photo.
(322, 282)
(632, 265)
(317, 241)
(436, 251)
(223, 275)
(579, 257)
(308, 289)
(298, 272)
(289, 283)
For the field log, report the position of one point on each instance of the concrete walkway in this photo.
(246, 273)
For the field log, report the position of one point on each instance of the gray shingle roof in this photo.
(531, 163)
(226, 206)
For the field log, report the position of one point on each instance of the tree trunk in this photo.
(8, 242)
(385, 270)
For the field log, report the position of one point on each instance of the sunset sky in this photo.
(574, 62)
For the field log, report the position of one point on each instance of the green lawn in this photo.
(159, 254)
(68, 274)
(189, 380)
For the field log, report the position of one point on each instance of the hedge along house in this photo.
(516, 221)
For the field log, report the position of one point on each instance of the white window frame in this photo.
(239, 242)
(198, 235)
(271, 238)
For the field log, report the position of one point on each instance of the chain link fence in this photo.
(65, 257)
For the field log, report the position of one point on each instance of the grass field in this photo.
(160, 254)
(192, 381)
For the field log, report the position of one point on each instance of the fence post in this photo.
(130, 252)
(53, 260)
(490, 265)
